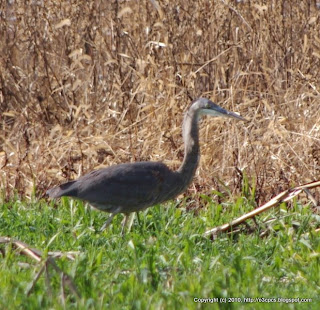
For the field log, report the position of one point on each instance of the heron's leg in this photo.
(132, 216)
(128, 219)
(108, 222)
(124, 223)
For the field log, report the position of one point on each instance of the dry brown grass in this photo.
(96, 83)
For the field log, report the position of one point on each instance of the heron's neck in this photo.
(191, 147)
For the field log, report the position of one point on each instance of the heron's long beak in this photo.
(220, 112)
(234, 115)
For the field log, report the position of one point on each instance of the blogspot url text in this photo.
(252, 300)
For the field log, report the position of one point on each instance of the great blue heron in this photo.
(132, 187)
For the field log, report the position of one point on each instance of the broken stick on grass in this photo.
(282, 197)
(49, 261)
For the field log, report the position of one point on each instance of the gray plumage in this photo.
(131, 187)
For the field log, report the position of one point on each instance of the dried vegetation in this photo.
(88, 84)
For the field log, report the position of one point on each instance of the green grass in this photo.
(164, 262)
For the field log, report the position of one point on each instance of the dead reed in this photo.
(94, 83)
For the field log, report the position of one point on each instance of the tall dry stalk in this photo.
(102, 82)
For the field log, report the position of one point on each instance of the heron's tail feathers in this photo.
(67, 189)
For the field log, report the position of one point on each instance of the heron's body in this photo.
(131, 187)
(126, 187)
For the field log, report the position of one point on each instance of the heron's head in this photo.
(207, 107)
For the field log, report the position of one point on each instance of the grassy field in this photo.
(164, 262)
